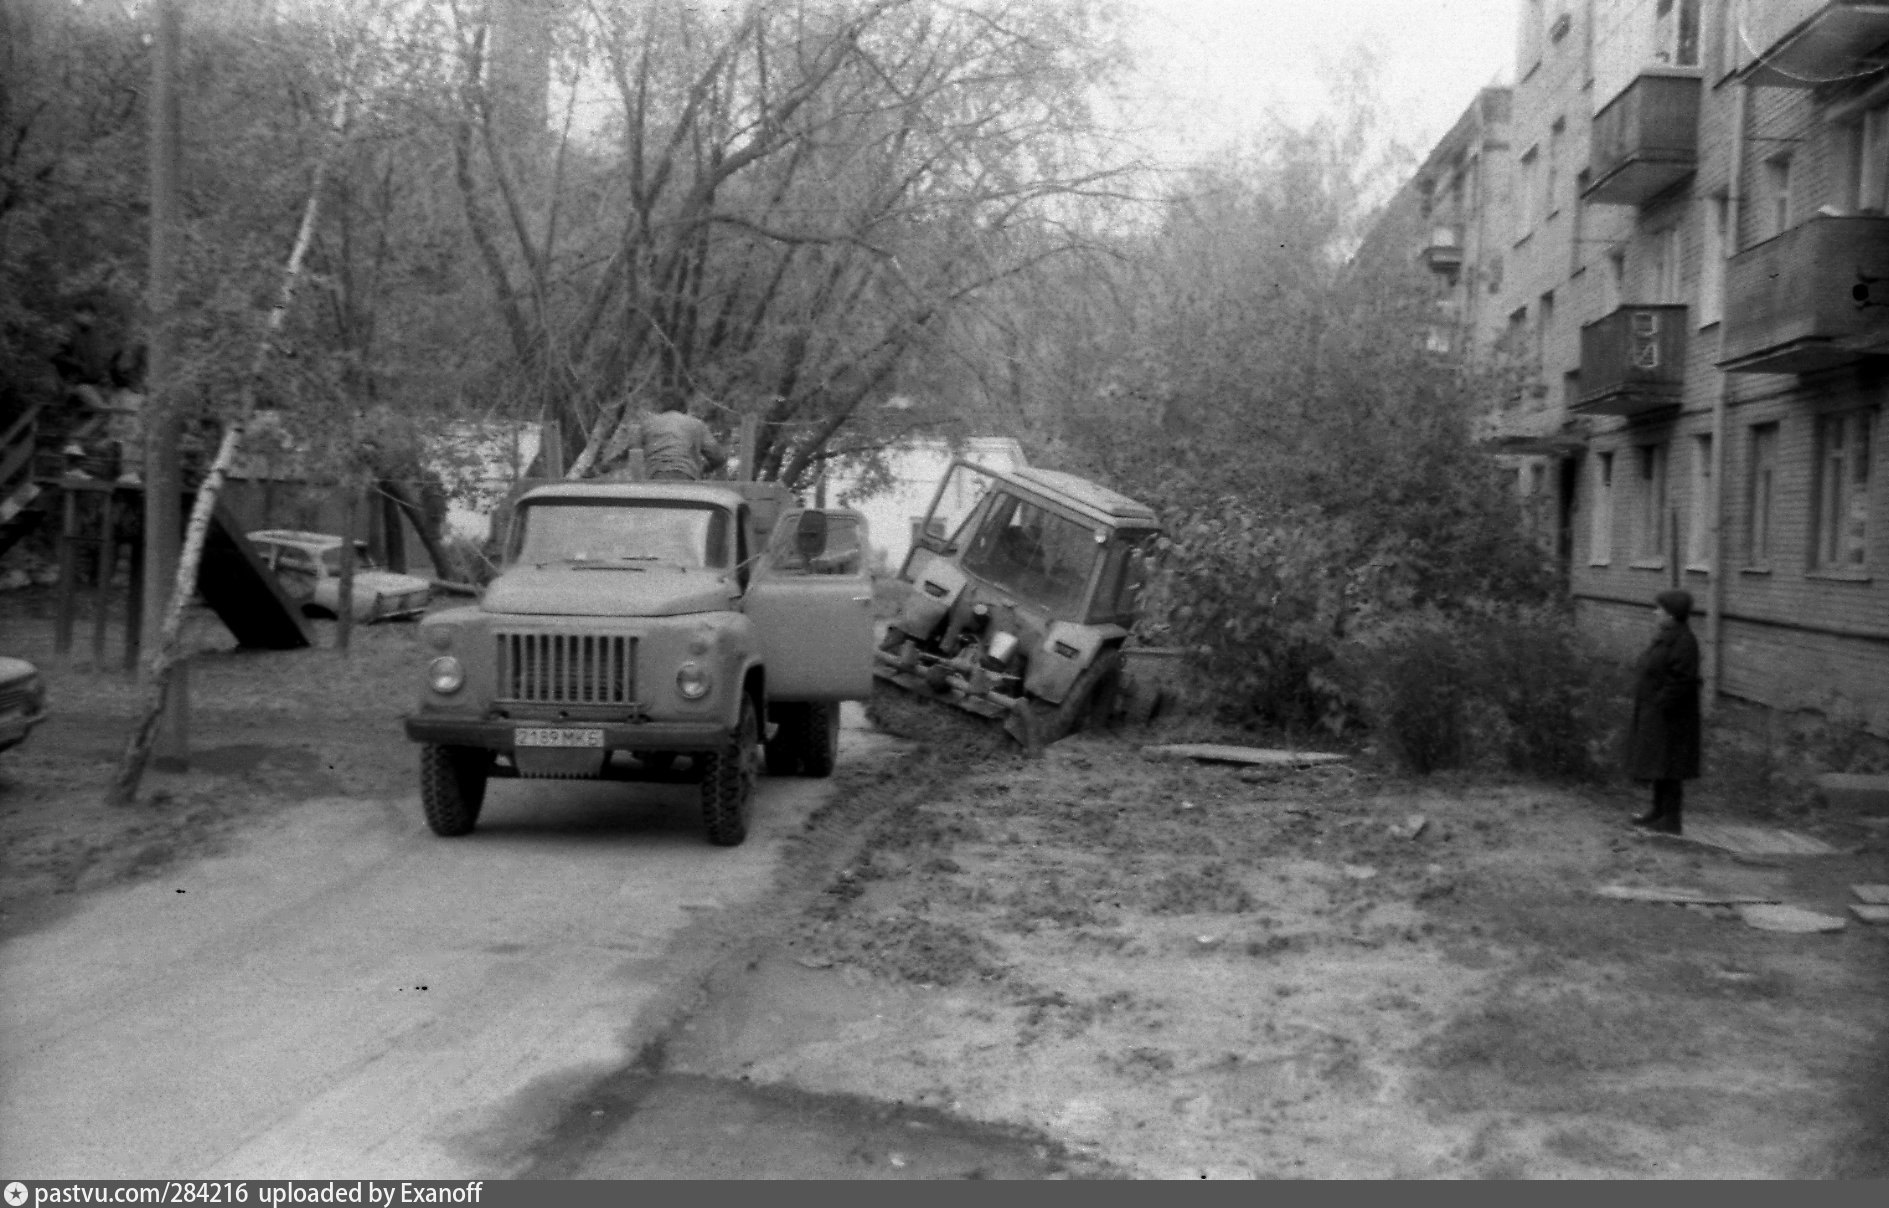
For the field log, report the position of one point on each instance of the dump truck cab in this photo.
(639, 623)
(1020, 590)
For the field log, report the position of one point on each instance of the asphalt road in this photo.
(344, 995)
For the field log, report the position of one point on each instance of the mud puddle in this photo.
(688, 1126)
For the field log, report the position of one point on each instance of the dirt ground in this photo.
(1158, 969)
(266, 727)
(1177, 971)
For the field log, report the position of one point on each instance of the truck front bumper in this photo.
(617, 736)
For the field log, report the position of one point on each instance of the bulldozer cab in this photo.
(1058, 544)
(1019, 593)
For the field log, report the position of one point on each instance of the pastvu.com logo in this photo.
(16, 1194)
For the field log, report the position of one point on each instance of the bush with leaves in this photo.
(1487, 685)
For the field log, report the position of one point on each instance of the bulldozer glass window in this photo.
(964, 488)
(583, 532)
(1034, 552)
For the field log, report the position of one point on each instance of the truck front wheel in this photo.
(452, 787)
(728, 777)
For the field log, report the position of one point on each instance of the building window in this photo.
(1600, 541)
(1776, 204)
(1651, 534)
(1699, 529)
(1577, 237)
(1760, 496)
(1841, 519)
(1529, 212)
(1616, 280)
(1665, 260)
(1676, 33)
(1544, 321)
(1730, 52)
(1534, 26)
(1551, 176)
(1869, 161)
(1712, 264)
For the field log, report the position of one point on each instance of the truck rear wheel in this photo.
(728, 776)
(807, 740)
(820, 747)
(452, 787)
(790, 737)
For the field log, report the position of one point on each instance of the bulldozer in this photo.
(1017, 597)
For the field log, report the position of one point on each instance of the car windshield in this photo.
(613, 532)
(1034, 552)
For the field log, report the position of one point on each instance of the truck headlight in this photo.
(445, 675)
(693, 681)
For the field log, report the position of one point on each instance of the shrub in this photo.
(1499, 685)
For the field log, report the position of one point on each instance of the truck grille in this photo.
(566, 669)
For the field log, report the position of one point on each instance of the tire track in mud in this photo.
(649, 1121)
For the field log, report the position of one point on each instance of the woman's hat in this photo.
(1677, 603)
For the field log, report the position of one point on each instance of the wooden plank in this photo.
(1207, 752)
(1793, 919)
(1690, 897)
(1875, 895)
(1870, 914)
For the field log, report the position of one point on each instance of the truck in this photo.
(1019, 595)
(636, 626)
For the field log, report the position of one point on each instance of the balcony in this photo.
(1444, 252)
(1834, 40)
(1633, 361)
(1815, 297)
(1646, 140)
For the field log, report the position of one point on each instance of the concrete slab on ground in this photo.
(1755, 840)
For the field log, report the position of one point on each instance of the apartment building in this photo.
(1694, 306)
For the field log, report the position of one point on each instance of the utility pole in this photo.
(163, 478)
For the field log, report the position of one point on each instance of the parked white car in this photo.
(308, 565)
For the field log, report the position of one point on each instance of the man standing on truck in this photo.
(676, 446)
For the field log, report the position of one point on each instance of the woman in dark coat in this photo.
(1663, 743)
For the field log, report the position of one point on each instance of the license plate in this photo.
(542, 736)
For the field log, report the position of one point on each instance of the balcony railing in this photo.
(1803, 49)
(1633, 361)
(1646, 140)
(1813, 298)
(1444, 252)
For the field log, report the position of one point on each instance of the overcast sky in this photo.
(1215, 67)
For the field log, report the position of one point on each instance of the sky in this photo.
(1215, 68)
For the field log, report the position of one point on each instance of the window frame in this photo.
(1840, 490)
(1600, 535)
(1653, 500)
(1868, 148)
(1778, 210)
(1699, 544)
(1761, 467)
(1715, 234)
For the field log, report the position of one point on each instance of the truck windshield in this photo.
(1034, 552)
(621, 533)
